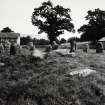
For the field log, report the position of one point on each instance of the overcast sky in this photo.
(16, 14)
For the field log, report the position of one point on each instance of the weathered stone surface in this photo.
(1, 48)
(99, 48)
(48, 48)
(72, 46)
(54, 46)
(82, 72)
(85, 48)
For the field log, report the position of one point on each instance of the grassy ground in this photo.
(30, 81)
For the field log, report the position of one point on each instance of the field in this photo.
(31, 81)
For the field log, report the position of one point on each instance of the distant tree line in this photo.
(27, 39)
(6, 29)
(41, 41)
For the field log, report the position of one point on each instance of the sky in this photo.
(16, 14)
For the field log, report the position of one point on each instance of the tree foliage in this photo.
(95, 29)
(52, 20)
(25, 40)
(6, 29)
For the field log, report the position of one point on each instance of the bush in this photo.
(63, 40)
(92, 45)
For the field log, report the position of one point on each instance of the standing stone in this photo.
(99, 47)
(12, 49)
(1, 48)
(7, 45)
(72, 46)
(54, 46)
(85, 48)
(31, 47)
(48, 48)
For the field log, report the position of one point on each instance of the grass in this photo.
(47, 81)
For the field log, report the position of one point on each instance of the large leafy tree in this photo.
(95, 29)
(52, 20)
(6, 29)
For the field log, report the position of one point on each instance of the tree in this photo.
(6, 29)
(52, 20)
(95, 29)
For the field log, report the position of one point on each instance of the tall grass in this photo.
(47, 81)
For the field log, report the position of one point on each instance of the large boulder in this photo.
(83, 72)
